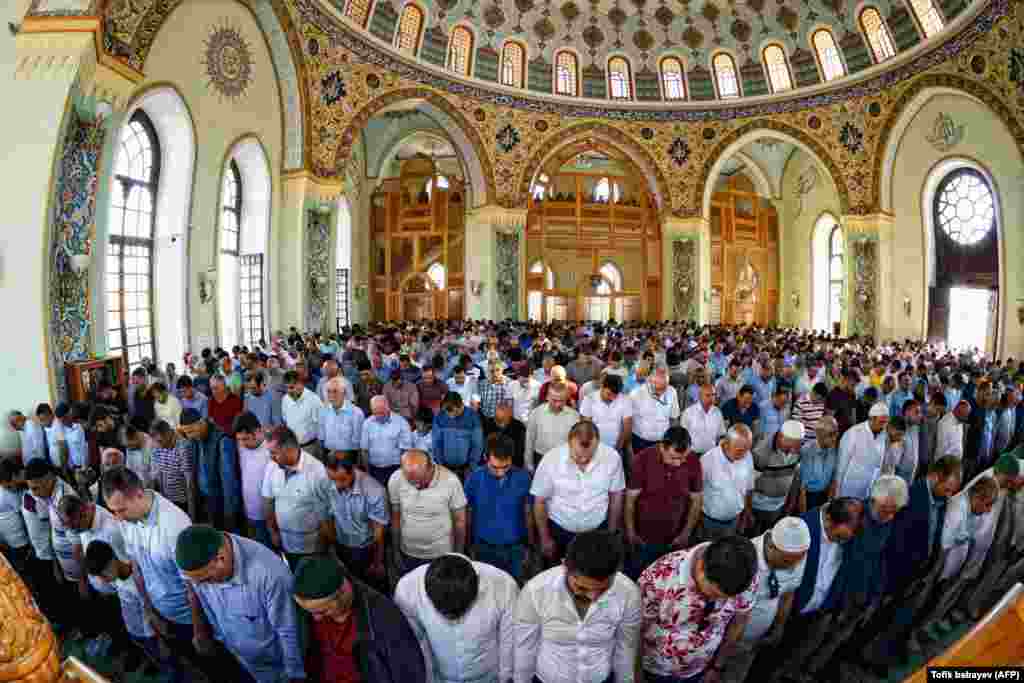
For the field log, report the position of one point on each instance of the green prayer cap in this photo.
(197, 546)
(317, 577)
(1008, 464)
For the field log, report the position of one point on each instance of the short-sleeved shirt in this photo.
(733, 415)
(673, 606)
(253, 464)
(427, 513)
(354, 508)
(664, 494)
(498, 505)
(296, 506)
(12, 525)
(172, 470)
(385, 441)
(578, 499)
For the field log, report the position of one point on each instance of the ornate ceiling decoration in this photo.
(647, 30)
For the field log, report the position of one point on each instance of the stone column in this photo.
(58, 94)
(866, 310)
(686, 269)
(481, 258)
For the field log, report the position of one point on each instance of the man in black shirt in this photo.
(504, 424)
(842, 402)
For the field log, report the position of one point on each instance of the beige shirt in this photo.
(546, 431)
(427, 513)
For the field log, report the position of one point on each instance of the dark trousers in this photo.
(563, 538)
(258, 531)
(643, 556)
(58, 600)
(383, 474)
(406, 563)
(610, 679)
(508, 558)
(655, 678)
(816, 498)
(357, 560)
(221, 665)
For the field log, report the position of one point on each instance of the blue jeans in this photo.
(643, 556)
(220, 484)
(508, 558)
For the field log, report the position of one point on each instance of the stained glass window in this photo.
(129, 265)
(358, 11)
(928, 16)
(566, 69)
(618, 79)
(460, 49)
(877, 33)
(964, 206)
(725, 76)
(777, 68)
(436, 273)
(512, 58)
(828, 55)
(835, 277)
(672, 82)
(409, 26)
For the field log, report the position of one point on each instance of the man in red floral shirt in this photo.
(696, 604)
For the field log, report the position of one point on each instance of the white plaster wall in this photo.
(177, 58)
(797, 218)
(986, 141)
(31, 131)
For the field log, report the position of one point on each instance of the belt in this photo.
(719, 521)
(308, 443)
(500, 545)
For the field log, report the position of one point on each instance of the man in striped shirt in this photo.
(173, 467)
(809, 409)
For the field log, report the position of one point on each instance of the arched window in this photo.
(927, 16)
(442, 182)
(436, 273)
(877, 34)
(828, 54)
(829, 273)
(410, 25)
(964, 206)
(566, 72)
(778, 70)
(606, 191)
(513, 58)
(619, 82)
(534, 298)
(725, 76)
(540, 186)
(358, 11)
(460, 50)
(549, 275)
(672, 84)
(129, 264)
(614, 276)
(230, 228)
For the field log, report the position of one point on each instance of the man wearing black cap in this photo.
(356, 633)
(216, 462)
(240, 594)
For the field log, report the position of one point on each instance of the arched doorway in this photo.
(417, 300)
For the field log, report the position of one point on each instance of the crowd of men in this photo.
(493, 502)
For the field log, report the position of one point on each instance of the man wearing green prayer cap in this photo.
(356, 633)
(240, 593)
(1003, 519)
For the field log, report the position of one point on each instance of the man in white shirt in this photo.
(581, 620)
(611, 412)
(300, 409)
(655, 409)
(462, 613)
(525, 391)
(704, 421)
(549, 425)
(578, 487)
(862, 452)
(729, 386)
(33, 438)
(291, 508)
(950, 440)
(781, 556)
(728, 485)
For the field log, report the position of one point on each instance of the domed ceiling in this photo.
(647, 30)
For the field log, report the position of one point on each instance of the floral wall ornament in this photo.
(333, 86)
(865, 264)
(679, 151)
(805, 182)
(507, 273)
(507, 138)
(851, 137)
(229, 62)
(684, 278)
(317, 252)
(945, 133)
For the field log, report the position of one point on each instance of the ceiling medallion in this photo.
(647, 133)
(875, 109)
(372, 81)
(507, 138)
(709, 133)
(978, 65)
(851, 137)
(480, 115)
(228, 61)
(679, 151)
(813, 122)
(541, 126)
(333, 86)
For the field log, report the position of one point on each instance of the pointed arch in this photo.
(876, 34)
(460, 50)
(673, 79)
(409, 29)
(826, 50)
(776, 67)
(513, 64)
(620, 79)
(567, 73)
(926, 14)
(727, 77)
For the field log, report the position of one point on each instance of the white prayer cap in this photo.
(879, 410)
(793, 429)
(791, 535)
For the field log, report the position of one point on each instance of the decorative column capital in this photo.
(870, 227)
(509, 220)
(314, 190)
(683, 229)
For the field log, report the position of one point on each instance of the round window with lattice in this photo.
(964, 206)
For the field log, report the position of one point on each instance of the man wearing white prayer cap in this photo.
(781, 556)
(861, 455)
(778, 490)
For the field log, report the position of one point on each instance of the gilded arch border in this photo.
(602, 134)
(371, 108)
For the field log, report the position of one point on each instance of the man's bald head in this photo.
(111, 457)
(417, 468)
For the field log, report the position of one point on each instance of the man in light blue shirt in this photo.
(775, 411)
(244, 592)
(900, 396)
(260, 402)
(189, 397)
(763, 383)
(340, 425)
(385, 437)
(818, 461)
